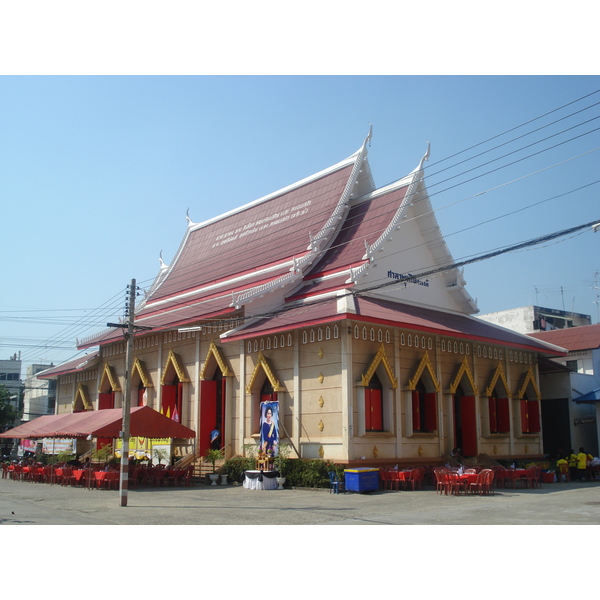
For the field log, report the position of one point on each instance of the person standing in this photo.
(572, 458)
(582, 459)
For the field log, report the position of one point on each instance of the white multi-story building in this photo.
(39, 396)
(528, 319)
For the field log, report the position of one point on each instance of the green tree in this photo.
(8, 413)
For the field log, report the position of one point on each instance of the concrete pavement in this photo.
(24, 503)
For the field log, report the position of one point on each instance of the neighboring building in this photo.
(528, 319)
(39, 396)
(10, 377)
(335, 301)
(571, 408)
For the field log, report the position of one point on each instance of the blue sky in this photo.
(97, 174)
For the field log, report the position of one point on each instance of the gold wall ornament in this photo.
(321, 401)
(424, 365)
(380, 358)
(529, 379)
(464, 369)
(215, 352)
(375, 452)
(81, 394)
(173, 362)
(321, 451)
(494, 449)
(498, 375)
(321, 426)
(321, 378)
(321, 353)
(420, 451)
(108, 373)
(526, 449)
(140, 369)
(263, 365)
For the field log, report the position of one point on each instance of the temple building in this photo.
(339, 301)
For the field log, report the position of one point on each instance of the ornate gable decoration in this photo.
(262, 364)
(81, 394)
(424, 365)
(109, 373)
(173, 361)
(214, 351)
(380, 358)
(498, 374)
(138, 367)
(529, 379)
(464, 369)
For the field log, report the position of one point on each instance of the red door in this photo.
(208, 414)
(469, 426)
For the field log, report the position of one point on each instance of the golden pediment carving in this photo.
(380, 359)
(215, 352)
(108, 375)
(424, 366)
(498, 375)
(464, 370)
(174, 362)
(529, 380)
(263, 365)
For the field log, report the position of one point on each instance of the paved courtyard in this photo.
(24, 503)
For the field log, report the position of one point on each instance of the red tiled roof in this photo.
(393, 314)
(586, 337)
(237, 252)
(269, 232)
(365, 223)
(72, 366)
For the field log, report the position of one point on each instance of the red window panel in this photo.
(503, 414)
(493, 414)
(106, 400)
(533, 410)
(416, 412)
(524, 416)
(430, 412)
(373, 410)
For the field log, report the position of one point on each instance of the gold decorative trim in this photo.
(464, 369)
(380, 358)
(173, 360)
(321, 452)
(498, 374)
(321, 401)
(420, 450)
(109, 373)
(138, 366)
(375, 452)
(425, 364)
(321, 426)
(214, 350)
(529, 379)
(264, 365)
(321, 378)
(321, 354)
(82, 393)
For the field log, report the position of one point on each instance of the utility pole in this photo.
(129, 328)
(124, 475)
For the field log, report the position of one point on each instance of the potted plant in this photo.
(212, 456)
(281, 461)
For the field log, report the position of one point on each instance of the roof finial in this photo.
(367, 139)
(425, 157)
(162, 263)
(187, 216)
